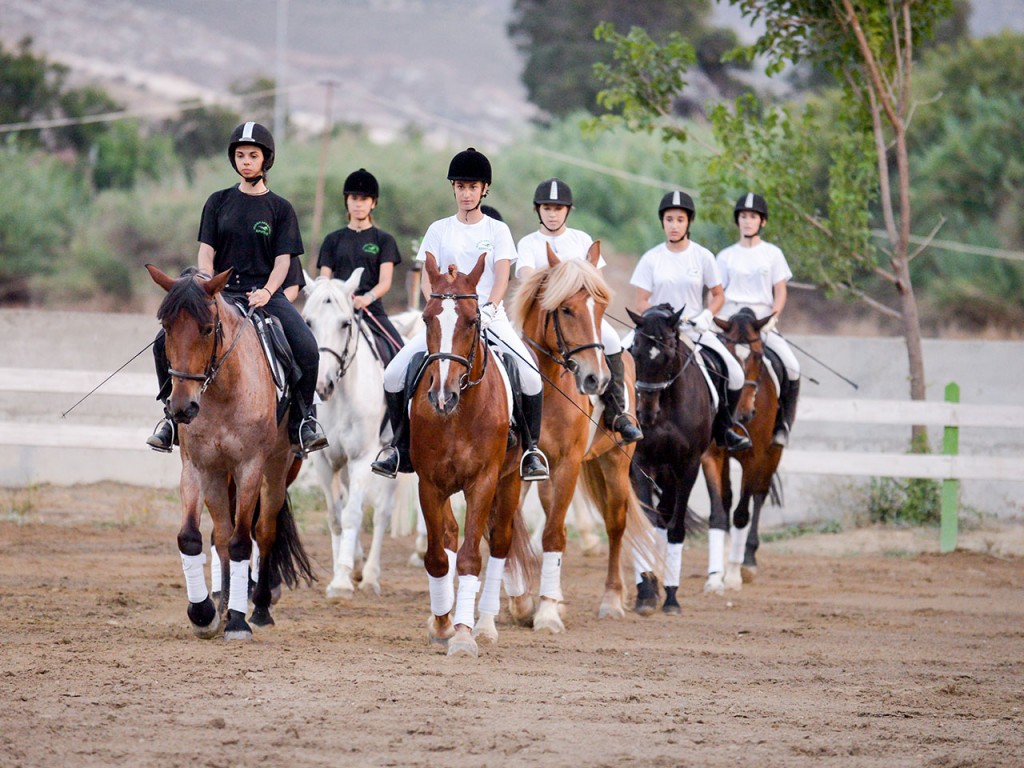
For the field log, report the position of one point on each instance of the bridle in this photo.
(758, 357)
(564, 350)
(213, 365)
(348, 354)
(659, 386)
(465, 382)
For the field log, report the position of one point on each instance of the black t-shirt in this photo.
(345, 249)
(248, 232)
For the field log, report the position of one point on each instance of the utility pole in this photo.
(321, 179)
(281, 75)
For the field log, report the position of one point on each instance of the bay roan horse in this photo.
(235, 456)
(675, 409)
(459, 441)
(757, 408)
(560, 310)
(350, 381)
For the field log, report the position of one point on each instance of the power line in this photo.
(950, 245)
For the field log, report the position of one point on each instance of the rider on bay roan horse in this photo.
(754, 274)
(676, 272)
(460, 240)
(552, 202)
(362, 244)
(255, 233)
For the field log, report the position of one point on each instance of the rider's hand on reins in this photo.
(259, 298)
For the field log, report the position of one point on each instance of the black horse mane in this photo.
(186, 295)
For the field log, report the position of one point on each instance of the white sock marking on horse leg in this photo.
(254, 561)
(673, 564)
(490, 600)
(738, 543)
(640, 563)
(551, 576)
(465, 603)
(716, 550)
(335, 548)
(661, 537)
(216, 573)
(238, 595)
(347, 555)
(195, 577)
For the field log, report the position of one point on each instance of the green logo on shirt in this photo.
(485, 245)
(261, 228)
(371, 248)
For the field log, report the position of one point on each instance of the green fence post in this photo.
(950, 488)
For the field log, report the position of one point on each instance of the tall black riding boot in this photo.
(725, 429)
(164, 435)
(614, 399)
(311, 434)
(787, 412)
(534, 464)
(395, 458)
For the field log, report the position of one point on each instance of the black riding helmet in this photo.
(252, 133)
(677, 199)
(362, 183)
(470, 165)
(553, 192)
(751, 201)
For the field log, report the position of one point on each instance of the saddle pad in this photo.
(774, 361)
(702, 364)
(496, 358)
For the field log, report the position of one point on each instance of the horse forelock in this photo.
(324, 292)
(186, 295)
(569, 278)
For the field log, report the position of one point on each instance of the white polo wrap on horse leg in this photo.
(738, 543)
(238, 596)
(349, 536)
(640, 565)
(254, 561)
(465, 603)
(216, 572)
(514, 583)
(195, 577)
(442, 588)
(551, 576)
(716, 550)
(490, 600)
(673, 564)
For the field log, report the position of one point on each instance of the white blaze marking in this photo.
(652, 352)
(742, 353)
(448, 318)
(593, 325)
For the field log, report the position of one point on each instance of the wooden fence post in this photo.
(950, 488)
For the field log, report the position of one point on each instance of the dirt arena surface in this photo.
(852, 649)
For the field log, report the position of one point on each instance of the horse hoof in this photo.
(714, 585)
(670, 609)
(548, 617)
(749, 573)
(340, 593)
(463, 644)
(646, 595)
(261, 618)
(521, 608)
(415, 560)
(440, 633)
(237, 628)
(205, 619)
(370, 586)
(733, 579)
(485, 628)
(611, 610)
(646, 607)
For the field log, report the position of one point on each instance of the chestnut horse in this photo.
(560, 310)
(235, 455)
(757, 408)
(459, 441)
(676, 411)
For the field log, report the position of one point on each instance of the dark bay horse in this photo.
(757, 409)
(235, 456)
(676, 412)
(560, 310)
(459, 422)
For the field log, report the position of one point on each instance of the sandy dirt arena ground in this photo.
(851, 649)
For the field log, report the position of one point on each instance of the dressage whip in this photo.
(69, 410)
(833, 371)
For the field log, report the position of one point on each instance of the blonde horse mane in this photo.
(550, 287)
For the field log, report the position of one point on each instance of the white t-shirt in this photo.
(453, 242)
(749, 275)
(571, 244)
(677, 278)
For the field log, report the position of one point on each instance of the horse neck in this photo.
(238, 364)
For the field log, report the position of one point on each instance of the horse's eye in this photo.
(345, 324)
(207, 330)
(566, 311)
(327, 300)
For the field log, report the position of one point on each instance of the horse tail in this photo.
(693, 523)
(288, 558)
(523, 564)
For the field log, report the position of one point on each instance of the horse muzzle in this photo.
(443, 402)
(187, 414)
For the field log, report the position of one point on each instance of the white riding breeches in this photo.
(778, 345)
(610, 339)
(501, 334)
(710, 340)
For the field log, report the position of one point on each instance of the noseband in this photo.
(659, 386)
(464, 381)
(213, 365)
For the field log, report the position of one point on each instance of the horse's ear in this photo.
(725, 325)
(307, 287)
(216, 284)
(764, 321)
(161, 279)
(594, 252)
(637, 319)
(353, 280)
(553, 260)
(474, 275)
(431, 266)
(674, 318)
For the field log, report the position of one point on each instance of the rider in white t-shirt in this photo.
(755, 274)
(552, 202)
(459, 240)
(677, 272)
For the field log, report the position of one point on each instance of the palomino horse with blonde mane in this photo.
(560, 310)
(459, 441)
(235, 455)
(757, 409)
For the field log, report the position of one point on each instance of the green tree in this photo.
(868, 46)
(124, 154)
(556, 39)
(200, 133)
